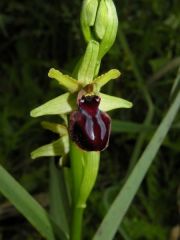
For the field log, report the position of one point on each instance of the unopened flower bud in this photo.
(99, 22)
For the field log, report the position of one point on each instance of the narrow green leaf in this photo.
(58, 199)
(124, 234)
(105, 78)
(118, 209)
(25, 204)
(59, 147)
(130, 127)
(59, 105)
(87, 69)
(176, 84)
(66, 81)
(109, 103)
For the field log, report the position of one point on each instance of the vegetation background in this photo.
(36, 35)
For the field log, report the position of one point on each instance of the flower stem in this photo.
(76, 225)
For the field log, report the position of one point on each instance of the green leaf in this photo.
(25, 204)
(105, 78)
(176, 83)
(91, 166)
(59, 147)
(59, 105)
(88, 67)
(59, 206)
(130, 127)
(124, 234)
(109, 103)
(118, 209)
(66, 81)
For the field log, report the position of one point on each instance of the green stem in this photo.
(76, 225)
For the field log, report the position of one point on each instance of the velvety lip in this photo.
(90, 127)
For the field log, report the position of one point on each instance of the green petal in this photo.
(59, 147)
(59, 105)
(109, 103)
(105, 78)
(55, 127)
(66, 81)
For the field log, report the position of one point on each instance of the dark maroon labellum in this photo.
(90, 127)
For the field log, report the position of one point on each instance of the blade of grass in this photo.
(176, 83)
(123, 233)
(58, 199)
(145, 93)
(25, 204)
(134, 128)
(130, 127)
(118, 209)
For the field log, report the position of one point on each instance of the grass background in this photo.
(36, 35)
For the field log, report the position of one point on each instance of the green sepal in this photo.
(64, 118)
(59, 105)
(55, 127)
(59, 147)
(88, 66)
(66, 81)
(110, 102)
(100, 81)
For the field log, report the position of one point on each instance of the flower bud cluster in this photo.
(99, 22)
